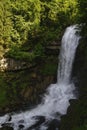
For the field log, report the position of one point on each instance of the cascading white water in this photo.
(68, 48)
(56, 101)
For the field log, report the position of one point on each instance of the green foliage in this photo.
(5, 24)
(80, 128)
(39, 50)
(26, 17)
(3, 97)
(82, 16)
(82, 4)
(28, 23)
(21, 55)
(50, 67)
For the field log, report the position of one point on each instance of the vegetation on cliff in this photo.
(26, 26)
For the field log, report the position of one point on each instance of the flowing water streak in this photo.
(56, 101)
(67, 54)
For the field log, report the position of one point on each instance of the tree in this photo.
(26, 17)
(5, 24)
(82, 16)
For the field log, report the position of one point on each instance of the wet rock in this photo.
(21, 121)
(73, 101)
(21, 126)
(6, 110)
(6, 124)
(72, 106)
(54, 43)
(9, 118)
(53, 125)
(41, 119)
(52, 50)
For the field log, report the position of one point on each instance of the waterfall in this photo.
(56, 101)
(66, 58)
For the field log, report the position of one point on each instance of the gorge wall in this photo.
(9, 64)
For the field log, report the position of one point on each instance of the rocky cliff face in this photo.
(19, 89)
(8, 64)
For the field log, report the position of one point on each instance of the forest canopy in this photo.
(31, 24)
